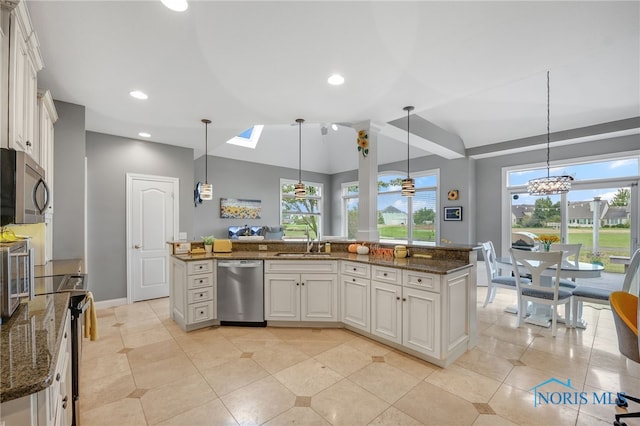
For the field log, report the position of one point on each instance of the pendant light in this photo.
(551, 184)
(408, 184)
(300, 191)
(206, 189)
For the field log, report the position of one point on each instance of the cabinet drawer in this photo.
(202, 311)
(300, 266)
(356, 269)
(423, 281)
(386, 275)
(198, 281)
(200, 267)
(199, 294)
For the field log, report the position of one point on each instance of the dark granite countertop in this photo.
(30, 342)
(421, 264)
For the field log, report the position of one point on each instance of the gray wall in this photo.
(69, 182)
(489, 177)
(109, 159)
(242, 179)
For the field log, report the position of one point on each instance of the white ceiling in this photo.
(476, 69)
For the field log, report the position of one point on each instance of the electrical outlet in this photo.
(262, 247)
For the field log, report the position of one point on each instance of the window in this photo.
(395, 211)
(301, 219)
(598, 212)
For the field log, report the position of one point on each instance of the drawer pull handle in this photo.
(58, 377)
(385, 274)
(419, 280)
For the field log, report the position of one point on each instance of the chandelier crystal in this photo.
(551, 184)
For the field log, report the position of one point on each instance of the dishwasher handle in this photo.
(239, 263)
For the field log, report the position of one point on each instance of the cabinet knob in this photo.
(28, 143)
(354, 269)
(419, 280)
(201, 294)
(385, 274)
(65, 334)
(353, 279)
(404, 299)
(397, 297)
(302, 283)
(58, 377)
(64, 402)
(297, 283)
(201, 281)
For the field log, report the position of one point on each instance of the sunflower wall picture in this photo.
(232, 208)
(363, 142)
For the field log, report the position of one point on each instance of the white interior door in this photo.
(152, 220)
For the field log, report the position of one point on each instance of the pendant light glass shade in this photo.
(408, 184)
(300, 191)
(551, 184)
(206, 189)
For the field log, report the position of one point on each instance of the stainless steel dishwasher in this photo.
(241, 292)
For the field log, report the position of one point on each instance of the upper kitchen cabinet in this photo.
(43, 150)
(25, 61)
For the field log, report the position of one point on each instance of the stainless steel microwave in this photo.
(16, 276)
(24, 194)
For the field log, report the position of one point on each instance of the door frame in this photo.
(131, 177)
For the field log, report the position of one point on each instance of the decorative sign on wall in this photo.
(231, 208)
(453, 213)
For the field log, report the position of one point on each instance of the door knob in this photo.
(136, 246)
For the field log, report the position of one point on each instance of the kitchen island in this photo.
(424, 304)
(35, 382)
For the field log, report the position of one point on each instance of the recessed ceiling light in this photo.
(176, 5)
(138, 94)
(335, 80)
(144, 134)
(334, 126)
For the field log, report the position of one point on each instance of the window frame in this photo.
(319, 214)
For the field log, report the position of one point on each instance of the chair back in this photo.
(570, 252)
(536, 263)
(489, 254)
(624, 307)
(631, 282)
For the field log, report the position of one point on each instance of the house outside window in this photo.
(301, 219)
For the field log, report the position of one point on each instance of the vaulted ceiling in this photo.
(476, 70)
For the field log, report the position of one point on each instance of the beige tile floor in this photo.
(145, 371)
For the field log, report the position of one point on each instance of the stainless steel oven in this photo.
(16, 275)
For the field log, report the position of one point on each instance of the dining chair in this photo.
(536, 263)
(600, 296)
(495, 280)
(624, 307)
(571, 255)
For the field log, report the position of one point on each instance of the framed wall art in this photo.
(232, 208)
(453, 213)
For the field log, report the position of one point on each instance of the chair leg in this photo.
(520, 315)
(554, 321)
(488, 298)
(574, 313)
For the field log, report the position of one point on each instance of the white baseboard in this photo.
(110, 303)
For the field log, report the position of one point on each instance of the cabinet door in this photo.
(421, 321)
(30, 108)
(356, 300)
(282, 297)
(19, 57)
(386, 311)
(178, 291)
(319, 297)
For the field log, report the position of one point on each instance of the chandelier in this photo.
(408, 184)
(551, 184)
(206, 189)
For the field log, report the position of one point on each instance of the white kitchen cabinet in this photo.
(25, 61)
(386, 311)
(355, 292)
(47, 116)
(193, 293)
(293, 295)
(421, 321)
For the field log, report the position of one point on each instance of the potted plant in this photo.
(596, 258)
(208, 243)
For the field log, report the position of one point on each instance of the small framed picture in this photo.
(453, 213)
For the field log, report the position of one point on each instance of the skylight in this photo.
(249, 138)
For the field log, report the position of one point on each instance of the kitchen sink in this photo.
(303, 254)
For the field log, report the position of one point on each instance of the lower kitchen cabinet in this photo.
(295, 296)
(421, 321)
(386, 311)
(193, 293)
(355, 291)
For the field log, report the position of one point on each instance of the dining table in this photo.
(541, 314)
